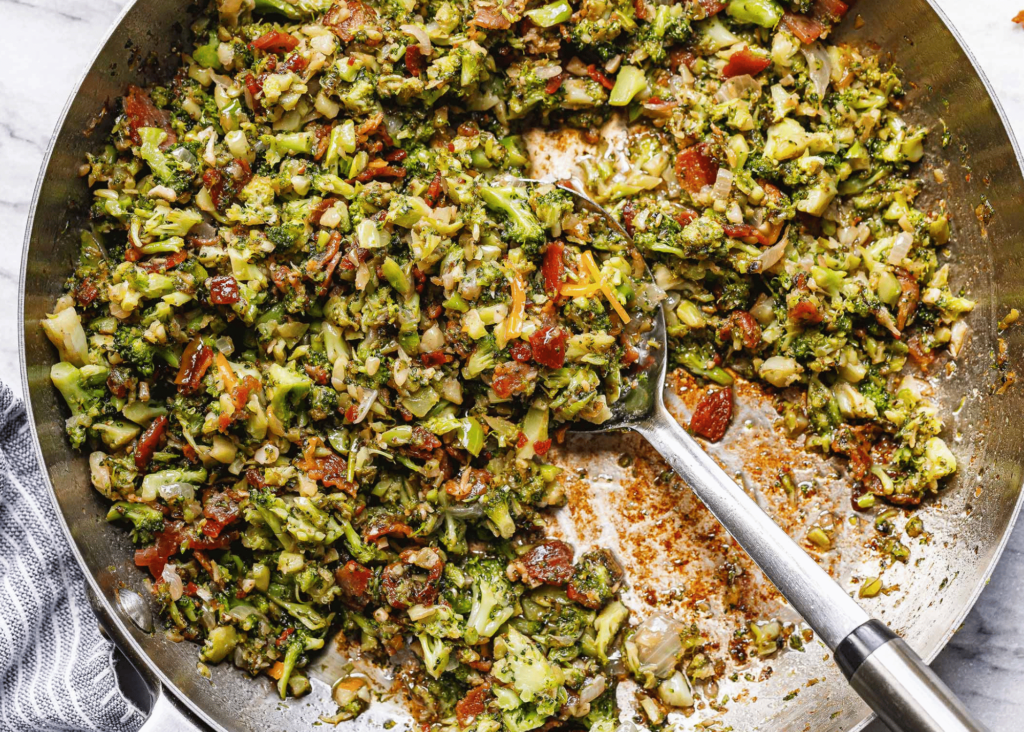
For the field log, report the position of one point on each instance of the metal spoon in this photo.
(894, 681)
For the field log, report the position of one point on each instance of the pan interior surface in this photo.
(658, 528)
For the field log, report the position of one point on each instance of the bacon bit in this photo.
(640, 9)
(276, 42)
(554, 84)
(170, 540)
(85, 293)
(131, 254)
(435, 358)
(597, 75)
(510, 378)
(628, 214)
(219, 509)
(162, 264)
(472, 705)
(119, 382)
(423, 444)
(255, 478)
(382, 171)
(495, 14)
(750, 331)
(854, 445)
(553, 268)
(323, 140)
(191, 590)
(696, 168)
(141, 112)
(712, 416)
(434, 191)
(549, 563)
(521, 351)
(387, 526)
(317, 263)
(685, 218)
(472, 484)
(414, 60)
(255, 89)
(149, 441)
(712, 7)
(745, 231)
(806, 313)
(354, 581)
(396, 156)
(830, 11)
(223, 290)
(346, 19)
(317, 212)
(806, 29)
(922, 359)
(745, 61)
(681, 56)
(910, 295)
(284, 636)
(276, 671)
(194, 362)
(189, 452)
(317, 373)
(630, 356)
(402, 589)
(548, 346)
(295, 63)
(542, 446)
(330, 470)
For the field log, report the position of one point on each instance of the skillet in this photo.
(968, 523)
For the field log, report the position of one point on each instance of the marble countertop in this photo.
(53, 40)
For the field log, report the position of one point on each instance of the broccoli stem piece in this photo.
(551, 14)
(765, 13)
(396, 277)
(147, 521)
(630, 82)
(298, 11)
(291, 657)
(219, 643)
(493, 599)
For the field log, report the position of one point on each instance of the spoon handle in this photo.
(881, 667)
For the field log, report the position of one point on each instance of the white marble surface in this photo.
(48, 43)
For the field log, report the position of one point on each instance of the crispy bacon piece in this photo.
(141, 112)
(255, 89)
(855, 446)
(354, 581)
(745, 61)
(495, 14)
(219, 509)
(830, 11)
(255, 478)
(346, 19)
(435, 358)
(472, 705)
(223, 290)
(169, 541)
(162, 264)
(384, 525)
(331, 470)
(149, 441)
(681, 56)
(712, 7)
(548, 346)
(521, 351)
(541, 447)
(403, 588)
(238, 392)
(808, 30)
(599, 76)
(276, 42)
(922, 359)
(510, 378)
(85, 293)
(549, 563)
(696, 168)
(382, 171)
(553, 268)
(119, 381)
(434, 191)
(396, 156)
(750, 331)
(806, 313)
(414, 60)
(713, 414)
(554, 84)
(471, 484)
(423, 444)
(745, 231)
(910, 296)
(194, 362)
(295, 63)
(686, 217)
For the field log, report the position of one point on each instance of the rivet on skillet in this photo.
(136, 609)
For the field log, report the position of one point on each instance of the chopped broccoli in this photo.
(596, 579)
(147, 521)
(523, 665)
(287, 389)
(520, 224)
(83, 389)
(494, 598)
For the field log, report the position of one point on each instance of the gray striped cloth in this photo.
(56, 671)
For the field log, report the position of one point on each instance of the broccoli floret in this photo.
(435, 654)
(482, 359)
(323, 401)
(300, 10)
(147, 521)
(668, 27)
(286, 391)
(520, 224)
(116, 433)
(523, 665)
(494, 598)
(607, 625)
(175, 169)
(498, 510)
(134, 350)
(552, 206)
(83, 389)
(596, 579)
(362, 552)
(65, 331)
(604, 713)
(153, 482)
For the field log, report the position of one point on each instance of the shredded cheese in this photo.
(588, 259)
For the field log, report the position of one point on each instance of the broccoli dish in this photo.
(320, 339)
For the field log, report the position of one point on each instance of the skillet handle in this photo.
(166, 716)
(882, 668)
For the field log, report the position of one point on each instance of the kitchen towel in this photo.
(56, 671)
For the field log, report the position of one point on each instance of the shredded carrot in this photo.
(579, 290)
(588, 259)
(227, 374)
(276, 671)
(514, 322)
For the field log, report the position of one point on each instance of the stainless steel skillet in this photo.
(969, 523)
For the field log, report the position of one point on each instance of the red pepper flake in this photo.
(522, 441)
(276, 42)
(541, 446)
(712, 416)
(597, 75)
(223, 290)
(284, 636)
(554, 84)
(745, 231)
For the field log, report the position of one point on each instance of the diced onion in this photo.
(170, 491)
(593, 689)
(738, 87)
(432, 340)
(174, 585)
(659, 645)
(771, 256)
(900, 248)
(649, 296)
(958, 337)
(420, 35)
(367, 400)
(819, 67)
(723, 185)
(548, 72)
